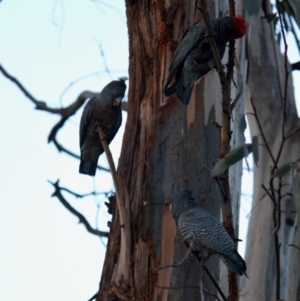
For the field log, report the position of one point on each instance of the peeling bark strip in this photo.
(123, 271)
(165, 148)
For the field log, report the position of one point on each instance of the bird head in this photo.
(112, 93)
(240, 27)
(123, 78)
(118, 90)
(181, 201)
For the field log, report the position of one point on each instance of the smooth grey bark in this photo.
(293, 292)
(263, 88)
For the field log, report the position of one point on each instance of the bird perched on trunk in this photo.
(206, 234)
(193, 57)
(103, 110)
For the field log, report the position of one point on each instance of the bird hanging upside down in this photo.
(193, 57)
(103, 110)
(204, 233)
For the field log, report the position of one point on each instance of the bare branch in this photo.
(262, 132)
(276, 223)
(38, 103)
(215, 283)
(57, 193)
(294, 33)
(71, 84)
(292, 133)
(239, 84)
(104, 60)
(268, 193)
(42, 105)
(292, 245)
(77, 195)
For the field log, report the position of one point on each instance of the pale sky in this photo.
(44, 252)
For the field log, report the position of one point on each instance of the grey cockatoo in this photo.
(193, 57)
(103, 110)
(208, 235)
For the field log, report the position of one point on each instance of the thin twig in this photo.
(292, 245)
(77, 195)
(284, 99)
(57, 193)
(239, 85)
(223, 193)
(230, 63)
(215, 283)
(38, 103)
(278, 208)
(71, 84)
(104, 60)
(211, 294)
(275, 235)
(262, 132)
(292, 133)
(294, 32)
(42, 105)
(268, 193)
(236, 100)
(277, 64)
(199, 259)
(256, 205)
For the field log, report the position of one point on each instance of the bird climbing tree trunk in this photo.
(167, 146)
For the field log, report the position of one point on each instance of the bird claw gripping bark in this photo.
(96, 124)
(181, 261)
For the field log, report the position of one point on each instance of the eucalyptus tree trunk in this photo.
(166, 147)
(266, 88)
